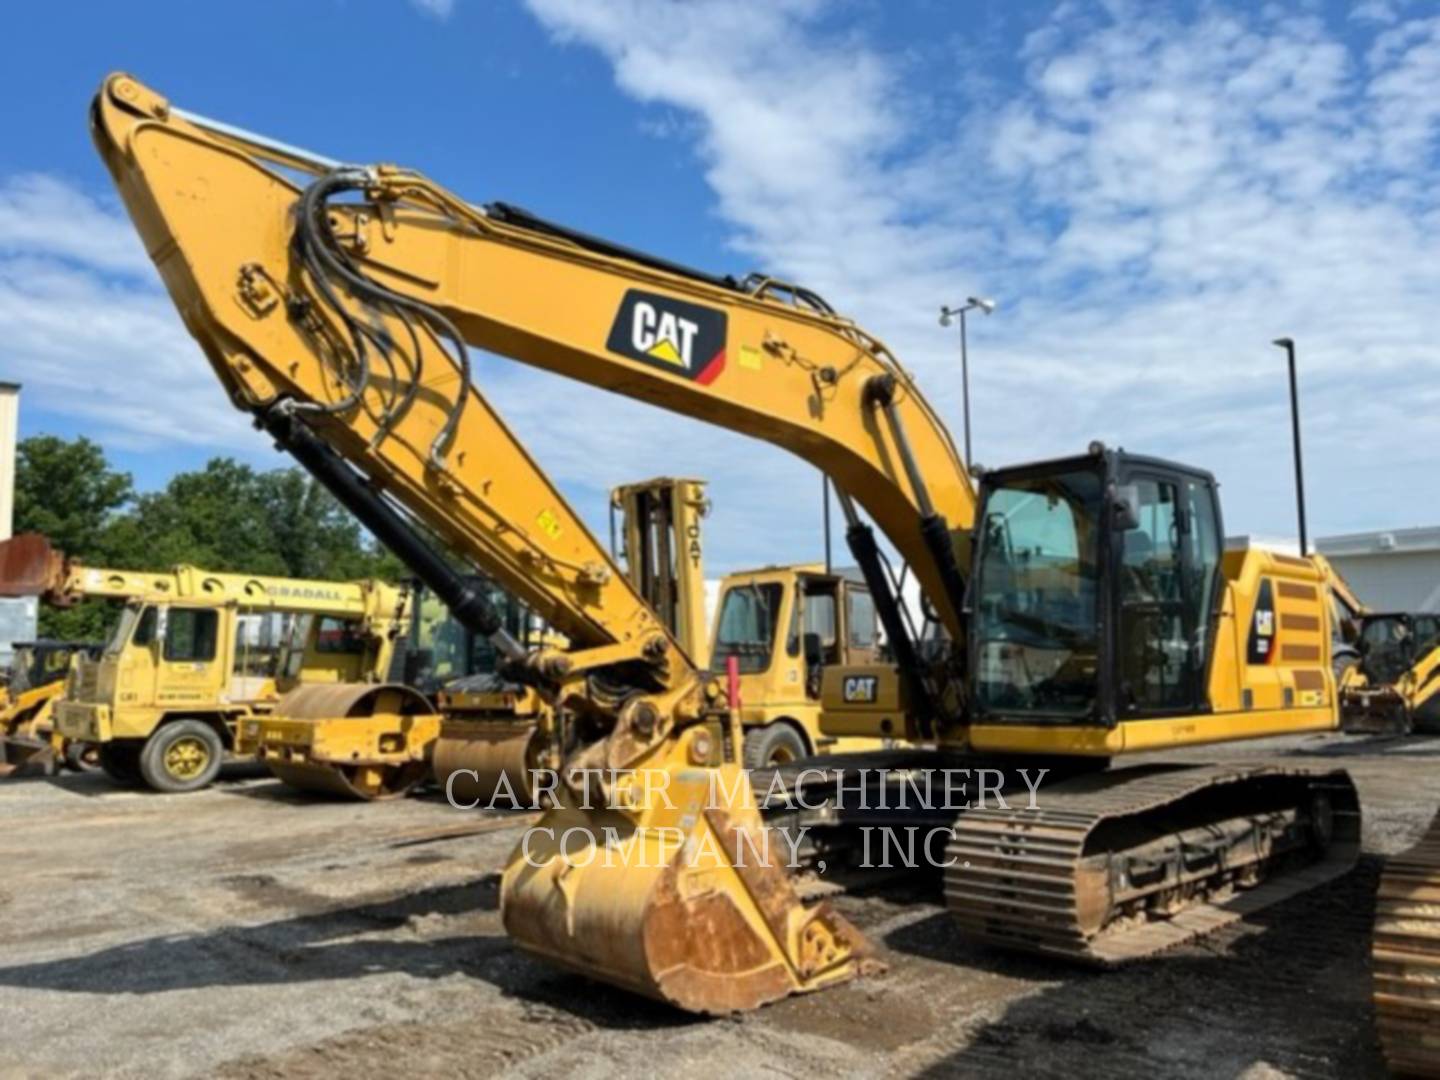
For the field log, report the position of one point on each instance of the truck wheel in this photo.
(183, 756)
(120, 761)
(82, 756)
(773, 745)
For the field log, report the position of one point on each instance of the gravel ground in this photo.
(248, 931)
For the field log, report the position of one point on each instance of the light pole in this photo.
(985, 306)
(1288, 344)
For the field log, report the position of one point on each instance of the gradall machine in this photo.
(174, 687)
(1103, 617)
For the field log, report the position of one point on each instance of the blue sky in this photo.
(1151, 191)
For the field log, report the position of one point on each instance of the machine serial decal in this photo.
(673, 335)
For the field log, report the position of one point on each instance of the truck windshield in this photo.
(129, 618)
(748, 617)
(1035, 624)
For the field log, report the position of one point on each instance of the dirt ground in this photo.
(248, 931)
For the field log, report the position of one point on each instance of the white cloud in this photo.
(1156, 200)
(44, 215)
(439, 9)
(90, 334)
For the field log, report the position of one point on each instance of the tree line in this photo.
(226, 516)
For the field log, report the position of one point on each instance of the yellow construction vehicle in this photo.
(180, 671)
(28, 746)
(335, 303)
(374, 753)
(1393, 685)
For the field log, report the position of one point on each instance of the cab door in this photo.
(130, 660)
(195, 656)
(1168, 566)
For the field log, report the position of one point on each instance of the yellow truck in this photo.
(189, 658)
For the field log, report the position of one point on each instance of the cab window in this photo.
(861, 625)
(144, 635)
(191, 634)
(339, 636)
(748, 617)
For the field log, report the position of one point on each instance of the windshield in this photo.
(1036, 627)
(748, 617)
(121, 637)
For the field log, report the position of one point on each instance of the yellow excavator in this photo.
(186, 663)
(1085, 607)
(28, 746)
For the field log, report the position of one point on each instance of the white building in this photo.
(1390, 570)
(17, 617)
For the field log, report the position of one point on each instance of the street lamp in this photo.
(1288, 344)
(972, 303)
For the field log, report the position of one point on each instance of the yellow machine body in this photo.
(288, 285)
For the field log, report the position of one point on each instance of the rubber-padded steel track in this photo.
(1406, 958)
(1017, 879)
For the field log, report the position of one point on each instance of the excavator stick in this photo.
(1406, 958)
(679, 900)
(356, 740)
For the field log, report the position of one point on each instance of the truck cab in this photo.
(165, 698)
(784, 626)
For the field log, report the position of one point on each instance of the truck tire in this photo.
(82, 757)
(120, 761)
(773, 745)
(181, 756)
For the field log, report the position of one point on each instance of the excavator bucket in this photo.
(29, 566)
(679, 900)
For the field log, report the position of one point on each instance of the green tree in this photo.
(315, 536)
(67, 490)
(226, 516)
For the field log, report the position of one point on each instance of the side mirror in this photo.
(1125, 507)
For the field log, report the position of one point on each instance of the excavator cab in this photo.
(1095, 590)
